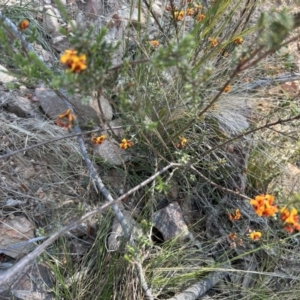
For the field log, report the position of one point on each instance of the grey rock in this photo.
(17, 105)
(111, 153)
(170, 223)
(53, 105)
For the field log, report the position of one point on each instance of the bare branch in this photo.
(52, 141)
(202, 287)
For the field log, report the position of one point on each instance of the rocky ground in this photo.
(37, 184)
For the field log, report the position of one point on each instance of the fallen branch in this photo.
(202, 287)
(218, 186)
(263, 82)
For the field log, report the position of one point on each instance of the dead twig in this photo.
(52, 141)
(218, 186)
(202, 287)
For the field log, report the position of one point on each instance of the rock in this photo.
(157, 9)
(60, 43)
(170, 223)
(71, 25)
(131, 16)
(287, 183)
(92, 8)
(44, 54)
(52, 105)
(32, 283)
(14, 231)
(50, 21)
(115, 237)
(17, 105)
(111, 153)
(105, 107)
(4, 77)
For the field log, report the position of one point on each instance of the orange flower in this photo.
(76, 63)
(191, 12)
(200, 17)
(24, 24)
(154, 43)
(290, 219)
(289, 228)
(236, 216)
(98, 140)
(125, 144)
(179, 15)
(65, 119)
(213, 42)
(182, 143)
(238, 41)
(232, 236)
(255, 235)
(263, 205)
(227, 89)
(293, 218)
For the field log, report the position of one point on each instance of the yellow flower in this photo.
(65, 119)
(227, 89)
(67, 57)
(263, 205)
(290, 219)
(236, 216)
(179, 15)
(125, 144)
(200, 17)
(213, 42)
(182, 143)
(190, 12)
(98, 140)
(79, 63)
(255, 235)
(76, 63)
(154, 43)
(238, 41)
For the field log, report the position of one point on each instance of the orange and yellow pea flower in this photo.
(255, 235)
(200, 17)
(191, 12)
(76, 63)
(182, 142)
(65, 119)
(98, 140)
(238, 41)
(227, 89)
(263, 205)
(235, 216)
(213, 42)
(179, 15)
(125, 144)
(290, 219)
(154, 43)
(24, 24)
